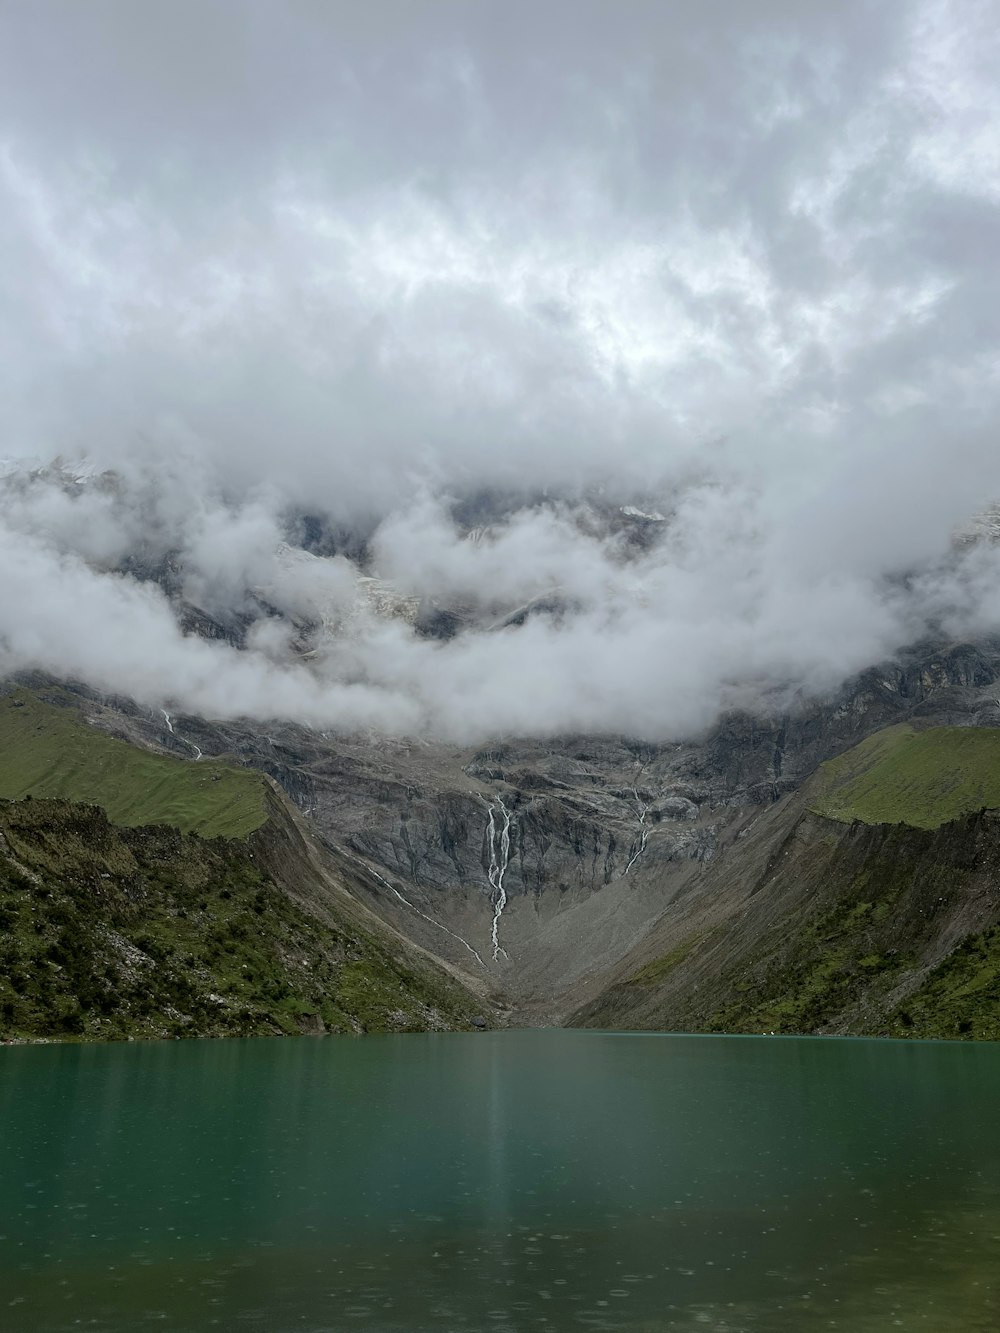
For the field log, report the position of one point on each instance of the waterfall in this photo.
(412, 906)
(643, 831)
(170, 727)
(498, 841)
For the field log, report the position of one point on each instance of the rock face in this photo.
(753, 761)
(825, 927)
(605, 835)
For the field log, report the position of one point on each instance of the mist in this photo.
(337, 321)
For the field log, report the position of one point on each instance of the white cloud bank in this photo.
(380, 266)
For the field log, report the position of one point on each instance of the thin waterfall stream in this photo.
(643, 830)
(412, 906)
(498, 841)
(170, 727)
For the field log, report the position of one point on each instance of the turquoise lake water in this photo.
(501, 1181)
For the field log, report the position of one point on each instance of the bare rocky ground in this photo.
(608, 838)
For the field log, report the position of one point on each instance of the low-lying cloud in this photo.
(343, 330)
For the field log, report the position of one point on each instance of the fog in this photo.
(435, 291)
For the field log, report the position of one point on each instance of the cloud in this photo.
(450, 291)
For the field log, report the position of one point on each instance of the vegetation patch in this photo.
(108, 933)
(656, 971)
(851, 954)
(903, 776)
(49, 751)
(960, 997)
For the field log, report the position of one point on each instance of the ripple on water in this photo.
(510, 1181)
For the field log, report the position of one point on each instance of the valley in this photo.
(827, 869)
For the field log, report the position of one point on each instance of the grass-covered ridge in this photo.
(904, 776)
(52, 752)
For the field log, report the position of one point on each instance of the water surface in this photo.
(501, 1181)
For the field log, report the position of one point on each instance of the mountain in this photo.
(543, 875)
(618, 854)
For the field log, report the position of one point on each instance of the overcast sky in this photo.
(734, 261)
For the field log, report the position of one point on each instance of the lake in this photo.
(501, 1181)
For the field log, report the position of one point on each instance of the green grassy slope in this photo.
(46, 751)
(878, 908)
(879, 930)
(109, 932)
(868, 904)
(960, 997)
(902, 776)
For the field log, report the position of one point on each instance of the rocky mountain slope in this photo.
(136, 928)
(580, 853)
(866, 903)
